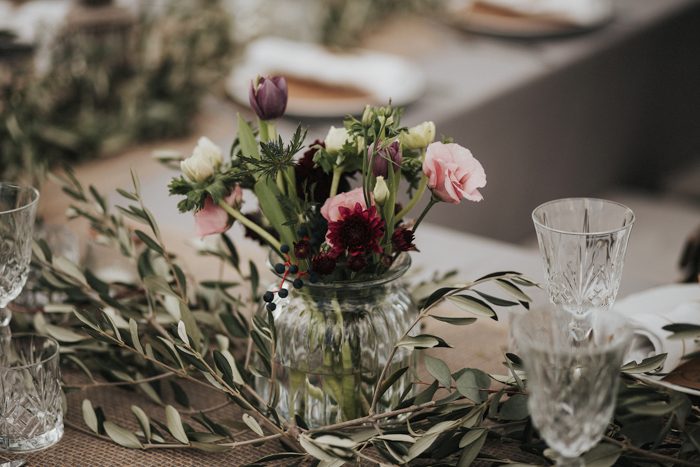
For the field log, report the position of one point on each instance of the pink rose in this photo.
(453, 173)
(330, 209)
(212, 218)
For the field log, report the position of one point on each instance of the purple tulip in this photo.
(268, 96)
(382, 156)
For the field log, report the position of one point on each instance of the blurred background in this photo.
(555, 97)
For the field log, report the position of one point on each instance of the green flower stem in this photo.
(268, 130)
(280, 183)
(236, 214)
(337, 172)
(432, 203)
(417, 195)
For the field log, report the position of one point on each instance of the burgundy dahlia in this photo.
(357, 263)
(358, 231)
(323, 264)
(402, 239)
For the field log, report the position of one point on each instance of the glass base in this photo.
(37, 443)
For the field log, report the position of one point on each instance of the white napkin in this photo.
(650, 311)
(581, 12)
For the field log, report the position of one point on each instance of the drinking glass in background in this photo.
(582, 243)
(572, 384)
(31, 415)
(17, 213)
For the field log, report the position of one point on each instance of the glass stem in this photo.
(5, 334)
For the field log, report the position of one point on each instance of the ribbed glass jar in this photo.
(332, 341)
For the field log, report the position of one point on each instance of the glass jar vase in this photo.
(332, 342)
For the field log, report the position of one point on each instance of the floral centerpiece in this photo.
(339, 307)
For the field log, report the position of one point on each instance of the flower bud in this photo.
(336, 139)
(268, 97)
(381, 191)
(204, 161)
(419, 136)
(380, 158)
(367, 115)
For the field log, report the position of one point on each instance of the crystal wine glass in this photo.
(583, 243)
(17, 211)
(572, 384)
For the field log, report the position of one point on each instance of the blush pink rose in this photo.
(330, 209)
(212, 218)
(453, 173)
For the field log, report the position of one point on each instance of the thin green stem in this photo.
(337, 172)
(417, 195)
(432, 203)
(236, 214)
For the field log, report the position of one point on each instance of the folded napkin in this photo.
(579, 12)
(651, 310)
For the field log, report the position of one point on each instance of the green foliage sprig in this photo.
(165, 326)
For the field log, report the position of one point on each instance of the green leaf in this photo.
(89, 416)
(513, 290)
(388, 382)
(134, 332)
(252, 424)
(64, 334)
(472, 451)
(246, 138)
(468, 386)
(227, 366)
(209, 447)
(69, 269)
(515, 408)
(275, 457)
(603, 455)
(454, 321)
(422, 341)
(122, 436)
(174, 423)
(496, 300)
(473, 305)
(150, 243)
(143, 421)
(471, 436)
(647, 365)
(439, 370)
(683, 330)
(437, 295)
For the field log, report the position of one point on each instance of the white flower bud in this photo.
(335, 139)
(419, 136)
(381, 191)
(367, 115)
(205, 160)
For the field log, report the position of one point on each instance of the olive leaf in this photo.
(174, 423)
(122, 436)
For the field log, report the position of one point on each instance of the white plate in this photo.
(478, 20)
(666, 297)
(375, 78)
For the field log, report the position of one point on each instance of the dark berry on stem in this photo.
(283, 293)
(279, 268)
(298, 283)
(268, 296)
(271, 307)
(284, 249)
(293, 269)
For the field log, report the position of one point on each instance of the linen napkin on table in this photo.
(651, 310)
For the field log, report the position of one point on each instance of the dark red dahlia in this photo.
(402, 239)
(357, 263)
(302, 249)
(311, 181)
(358, 231)
(323, 263)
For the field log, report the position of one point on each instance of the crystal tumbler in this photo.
(572, 384)
(31, 416)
